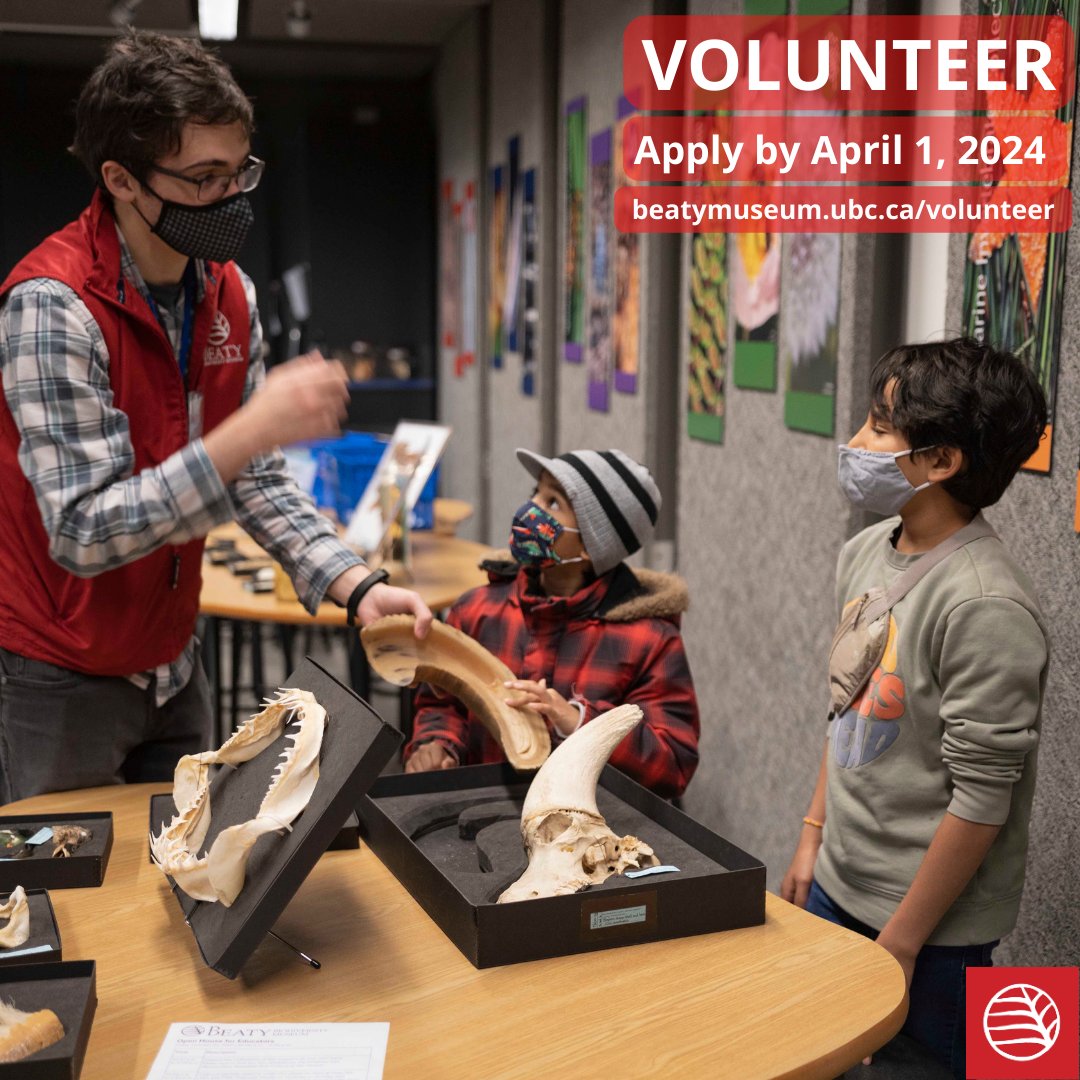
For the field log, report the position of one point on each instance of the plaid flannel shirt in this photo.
(587, 656)
(76, 453)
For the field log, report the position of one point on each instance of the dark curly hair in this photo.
(985, 402)
(134, 106)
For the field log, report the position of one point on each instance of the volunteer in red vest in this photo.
(136, 416)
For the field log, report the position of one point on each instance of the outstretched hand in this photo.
(541, 698)
(390, 600)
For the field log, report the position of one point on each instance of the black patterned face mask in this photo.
(216, 231)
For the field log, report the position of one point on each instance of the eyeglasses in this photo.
(211, 188)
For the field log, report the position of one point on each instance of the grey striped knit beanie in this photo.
(616, 501)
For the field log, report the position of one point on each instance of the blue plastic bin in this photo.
(345, 466)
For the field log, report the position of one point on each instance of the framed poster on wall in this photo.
(574, 268)
(529, 314)
(708, 326)
(626, 319)
(1014, 284)
(469, 281)
(497, 263)
(601, 228)
(810, 344)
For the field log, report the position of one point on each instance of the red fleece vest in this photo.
(136, 616)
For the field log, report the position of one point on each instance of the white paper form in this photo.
(204, 1051)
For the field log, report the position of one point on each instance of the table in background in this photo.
(797, 997)
(443, 568)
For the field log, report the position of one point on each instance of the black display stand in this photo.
(356, 745)
(70, 990)
(43, 931)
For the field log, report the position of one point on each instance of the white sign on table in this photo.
(206, 1051)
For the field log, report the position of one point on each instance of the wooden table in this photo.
(796, 997)
(443, 568)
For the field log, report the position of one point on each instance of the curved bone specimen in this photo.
(219, 875)
(567, 840)
(453, 662)
(23, 1034)
(66, 838)
(17, 912)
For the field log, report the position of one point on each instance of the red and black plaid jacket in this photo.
(615, 642)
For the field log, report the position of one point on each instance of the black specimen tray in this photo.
(43, 931)
(69, 989)
(356, 745)
(452, 838)
(83, 869)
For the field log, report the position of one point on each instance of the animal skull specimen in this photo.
(568, 842)
(66, 838)
(219, 875)
(452, 661)
(23, 1034)
(17, 912)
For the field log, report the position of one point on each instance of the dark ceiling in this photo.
(353, 38)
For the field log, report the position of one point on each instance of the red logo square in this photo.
(1023, 1023)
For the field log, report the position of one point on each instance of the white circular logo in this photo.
(219, 330)
(1022, 1022)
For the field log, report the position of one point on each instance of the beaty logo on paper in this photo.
(218, 349)
(1023, 1023)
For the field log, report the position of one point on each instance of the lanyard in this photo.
(189, 318)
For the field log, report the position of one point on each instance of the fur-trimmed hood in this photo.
(633, 592)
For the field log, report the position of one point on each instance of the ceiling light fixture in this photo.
(298, 19)
(122, 12)
(217, 19)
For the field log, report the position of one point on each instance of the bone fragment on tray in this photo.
(66, 838)
(23, 1034)
(455, 663)
(17, 912)
(566, 838)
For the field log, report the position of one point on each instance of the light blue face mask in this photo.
(872, 480)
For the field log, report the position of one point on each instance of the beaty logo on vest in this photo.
(219, 351)
(1023, 1023)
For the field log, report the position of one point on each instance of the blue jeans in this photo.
(936, 1011)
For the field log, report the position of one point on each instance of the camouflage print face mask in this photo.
(533, 535)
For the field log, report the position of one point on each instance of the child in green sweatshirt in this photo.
(916, 834)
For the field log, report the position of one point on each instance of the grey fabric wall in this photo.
(517, 108)
(459, 105)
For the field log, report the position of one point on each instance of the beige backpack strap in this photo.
(976, 529)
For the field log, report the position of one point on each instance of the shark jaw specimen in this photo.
(219, 875)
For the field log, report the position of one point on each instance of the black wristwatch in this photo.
(361, 590)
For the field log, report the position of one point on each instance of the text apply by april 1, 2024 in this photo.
(835, 147)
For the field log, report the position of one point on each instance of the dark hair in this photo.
(134, 106)
(985, 402)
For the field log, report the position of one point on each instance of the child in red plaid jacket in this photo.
(584, 631)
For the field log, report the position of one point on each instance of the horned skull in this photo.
(567, 840)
